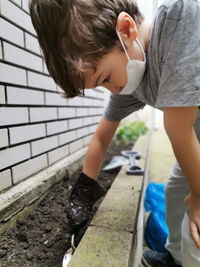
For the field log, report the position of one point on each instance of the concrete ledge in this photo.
(16, 200)
(110, 238)
(103, 247)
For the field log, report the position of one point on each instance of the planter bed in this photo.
(41, 238)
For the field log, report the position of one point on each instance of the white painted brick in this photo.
(76, 101)
(14, 155)
(81, 132)
(12, 74)
(92, 129)
(25, 133)
(61, 91)
(44, 145)
(87, 121)
(86, 140)
(29, 167)
(55, 99)
(43, 114)
(32, 43)
(56, 127)
(67, 137)
(58, 153)
(3, 137)
(98, 103)
(10, 116)
(75, 123)
(91, 101)
(25, 5)
(92, 111)
(17, 15)
(20, 96)
(21, 57)
(41, 81)
(96, 119)
(11, 32)
(75, 146)
(46, 71)
(66, 113)
(100, 110)
(5, 179)
(94, 93)
(87, 102)
(18, 2)
(2, 95)
(89, 92)
(82, 112)
(1, 52)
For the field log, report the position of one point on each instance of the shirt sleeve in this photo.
(120, 106)
(180, 67)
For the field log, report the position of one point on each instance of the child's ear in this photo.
(126, 27)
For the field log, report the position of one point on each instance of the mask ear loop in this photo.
(122, 43)
(141, 48)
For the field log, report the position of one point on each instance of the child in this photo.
(89, 43)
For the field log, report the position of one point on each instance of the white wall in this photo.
(37, 126)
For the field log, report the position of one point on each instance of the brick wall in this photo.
(37, 126)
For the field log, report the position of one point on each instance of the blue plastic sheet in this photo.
(156, 229)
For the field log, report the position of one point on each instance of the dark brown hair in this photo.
(75, 34)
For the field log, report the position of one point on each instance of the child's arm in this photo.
(178, 124)
(98, 147)
(86, 190)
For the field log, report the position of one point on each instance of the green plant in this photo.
(129, 132)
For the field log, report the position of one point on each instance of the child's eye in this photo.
(107, 79)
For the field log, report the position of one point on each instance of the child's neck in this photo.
(144, 33)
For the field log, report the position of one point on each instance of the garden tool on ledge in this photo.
(133, 168)
(127, 157)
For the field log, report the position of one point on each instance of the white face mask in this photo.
(135, 70)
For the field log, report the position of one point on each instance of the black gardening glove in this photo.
(85, 193)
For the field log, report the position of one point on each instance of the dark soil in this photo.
(42, 238)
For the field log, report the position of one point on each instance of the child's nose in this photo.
(113, 88)
(116, 89)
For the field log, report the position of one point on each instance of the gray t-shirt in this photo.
(172, 76)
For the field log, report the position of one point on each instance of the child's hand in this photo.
(193, 203)
(85, 193)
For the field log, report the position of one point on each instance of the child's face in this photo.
(111, 72)
(112, 69)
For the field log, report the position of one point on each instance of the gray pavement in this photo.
(161, 158)
(161, 153)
